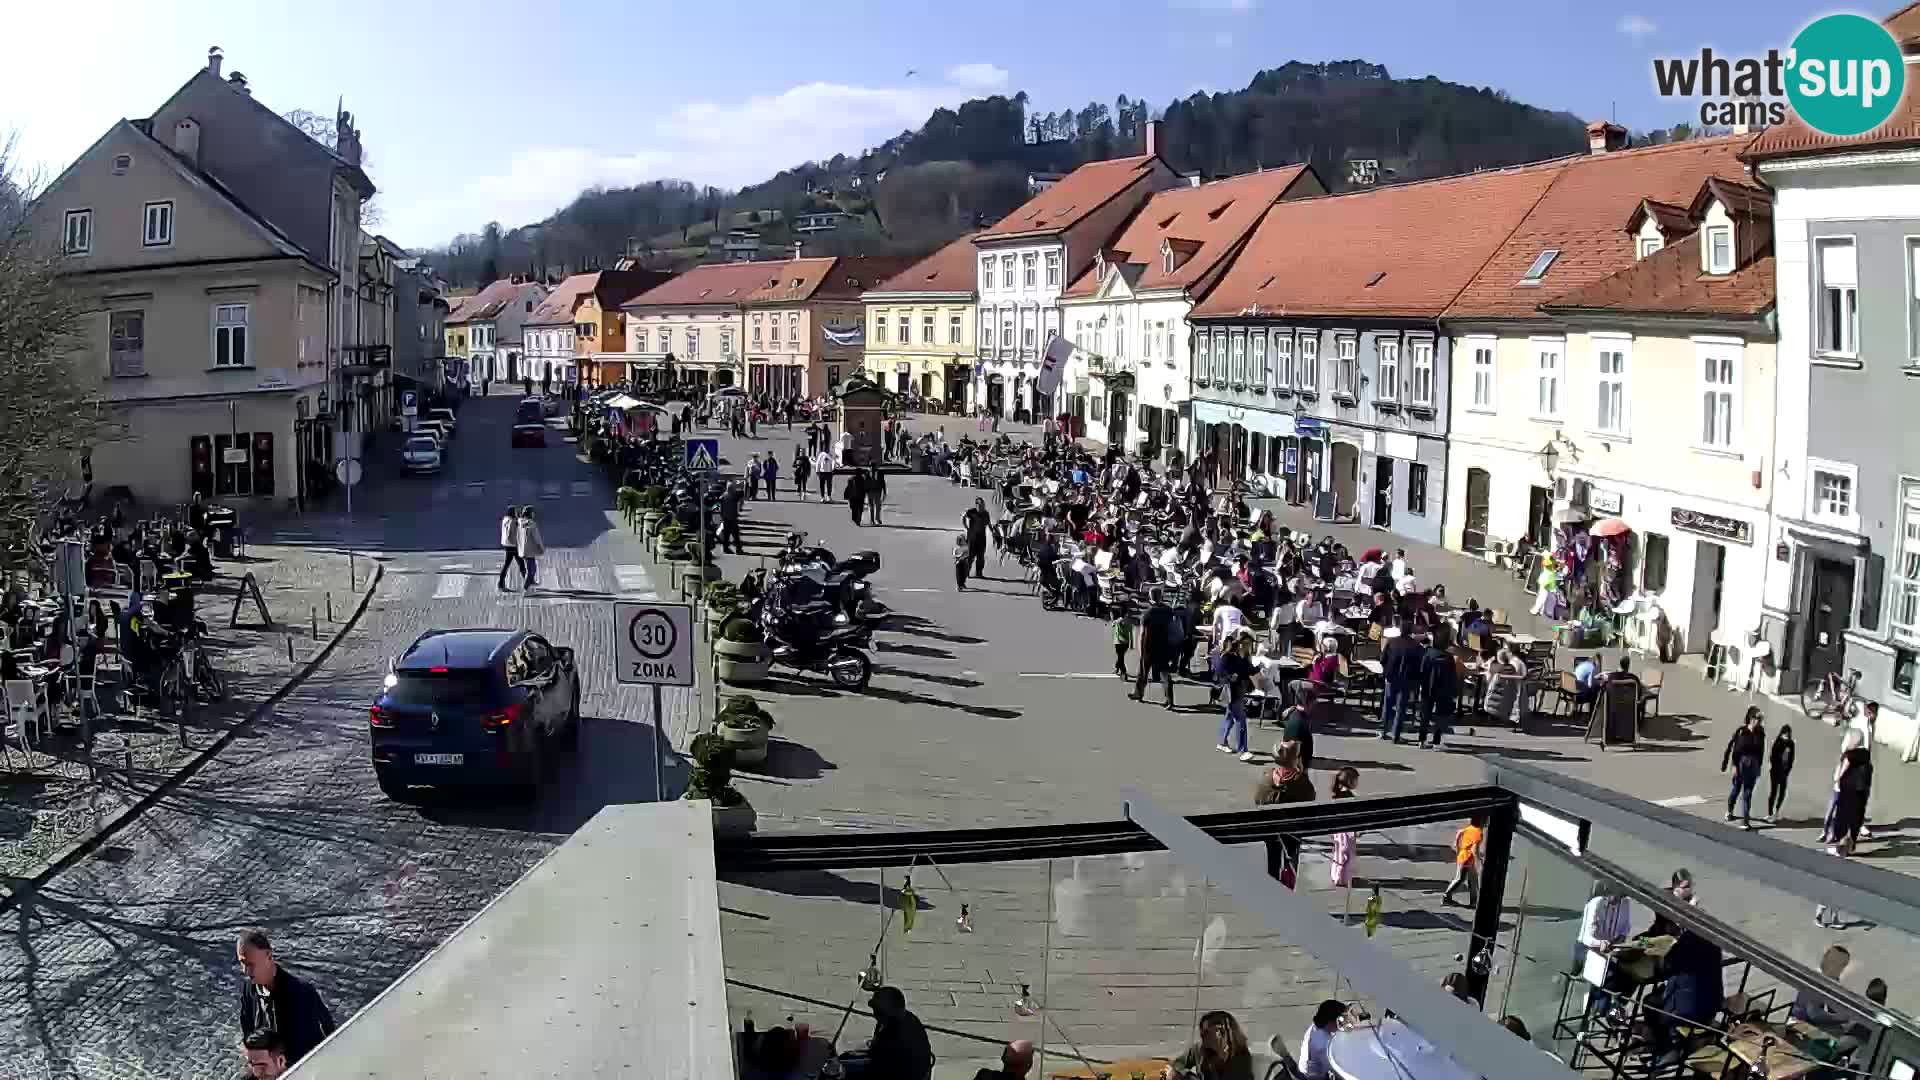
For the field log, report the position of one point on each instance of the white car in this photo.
(420, 453)
(438, 431)
(444, 417)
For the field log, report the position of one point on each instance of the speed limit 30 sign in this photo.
(653, 644)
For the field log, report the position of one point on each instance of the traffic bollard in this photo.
(329, 607)
(313, 622)
(289, 648)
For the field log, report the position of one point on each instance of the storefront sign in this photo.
(234, 455)
(1714, 525)
(272, 379)
(1604, 502)
(1293, 460)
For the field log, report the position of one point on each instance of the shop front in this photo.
(958, 376)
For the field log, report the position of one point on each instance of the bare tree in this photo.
(51, 412)
(324, 130)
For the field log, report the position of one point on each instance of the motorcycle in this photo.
(815, 637)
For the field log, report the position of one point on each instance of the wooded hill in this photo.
(969, 165)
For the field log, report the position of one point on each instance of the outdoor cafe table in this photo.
(1390, 1051)
(1146, 1068)
(1787, 1058)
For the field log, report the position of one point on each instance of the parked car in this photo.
(420, 453)
(471, 707)
(529, 435)
(530, 411)
(434, 428)
(443, 415)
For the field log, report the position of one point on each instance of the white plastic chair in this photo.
(149, 575)
(26, 709)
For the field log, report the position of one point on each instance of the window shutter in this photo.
(1872, 576)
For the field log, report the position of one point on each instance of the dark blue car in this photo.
(474, 707)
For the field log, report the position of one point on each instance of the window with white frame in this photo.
(1203, 357)
(1346, 380)
(1838, 320)
(1027, 332)
(1422, 384)
(1006, 331)
(1546, 403)
(1720, 249)
(1306, 372)
(1906, 567)
(78, 238)
(693, 342)
(726, 342)
(1028, 269)
(158, 231)
(926, 328)
(953, 328)
(1168, 353)
(1282, 359)
(1239, 362)
(1222, 358)
(1257, 359)
(1053, 269)
(1831, 494)
(1006, 271)
(230, 336)
(666, 338)
(1610, 397)
(756, 332)
(1146, 341)
(1483, 384)
(986, 271)
(880, 329)
(128, 349)
(1649, 245)
(1719, 395)
(793, 328)
(1119, 336)
(1388, 386)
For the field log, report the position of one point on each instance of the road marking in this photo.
(550, 490)
(633, 578)
(584, 578)
(452, 587)
(1683, 800)
(582, 488)
(915, 590)
(1067, 675)
(452, 566)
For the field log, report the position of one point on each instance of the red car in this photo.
(529, 435)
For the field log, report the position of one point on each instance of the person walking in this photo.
(856, 493)
(976, 520)
(1746, 749)
(1400, 671)
(1286, 782)
(1852, 785)
(1236, 675)
(1346, 784)
(510, 545)
(1779, 768)
(876, 493)
(532, 547)
(1122, 631)
(730, 519)
(273, 999)
(823, 469)
(802, 468)
(754, 472)
(1156, 648)
(1439, 686)
(961, 554)
(770, 475)
(1466, 860)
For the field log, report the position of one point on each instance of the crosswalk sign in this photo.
(703, 455)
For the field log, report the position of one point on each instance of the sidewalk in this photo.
(54, 801)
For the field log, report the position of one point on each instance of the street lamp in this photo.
(1549, 456)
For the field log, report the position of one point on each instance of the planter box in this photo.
(749, 745)
(742, 663)
(734, 820)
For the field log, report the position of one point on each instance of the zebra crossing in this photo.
(572, 584)
(519, 491)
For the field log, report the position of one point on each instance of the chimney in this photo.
(1604, 136)
(796, 249)
(1153, 137)
(186, 140)
(239, 82)
(213, 61)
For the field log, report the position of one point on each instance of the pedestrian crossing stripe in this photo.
(582, 488)
(584, 578)
(550, 491)
(633, 579)
(451, 587)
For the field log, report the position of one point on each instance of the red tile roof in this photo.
(714, 283)
(949, 270)
(557, 308)
(1579, 216)
(1078, 194)
(488, 302)
(1669, 282)
(1405, 250)
(1203, 224)
(853, 275)
(774, 281)
(1904, 25)
(1671, 220)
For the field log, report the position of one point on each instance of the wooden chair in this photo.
(1567, 697)
(1498, 617)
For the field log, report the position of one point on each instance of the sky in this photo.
(495, 111)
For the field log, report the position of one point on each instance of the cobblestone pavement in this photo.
(53, 799)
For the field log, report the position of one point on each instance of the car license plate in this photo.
(439, 759)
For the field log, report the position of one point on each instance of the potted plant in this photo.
(741, 656)
(628, 501)
(672, 543)
(723, 597)
(653, 512)
(712, 779)
(743, 725)
(701, 555)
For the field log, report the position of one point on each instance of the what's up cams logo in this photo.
(1843, 76)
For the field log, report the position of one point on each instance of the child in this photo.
(1345, 783)
(1779, 767)
(962, 556)
(1466, 860)
(1122, 641)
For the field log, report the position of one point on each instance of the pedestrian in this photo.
(1466, 860)
(1236, 672)
(961, 554)
(1439, 686)
(266, 1055)
(274, 999)
(1346, 784)
(753, 422)
(510, 544)
(856, 493)
(1746, 748)
(976, 520)
(823, 469)
(1852, 786)
(1297, 727)
(526, 386)
(1122, 630)
(1779, 768)
(802, 469)
(876, 492)
(1286, 782)
(1865, 719)
(1400, 672)
(753, 476)
(532, 547)
(1156, 648)
(730, 519)
(770, 475)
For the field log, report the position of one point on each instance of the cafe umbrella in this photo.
(1612, 526)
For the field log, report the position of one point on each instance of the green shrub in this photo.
(742, 711)
(653, 498)
(742, 631)
(672, 535)
(712, 774)
(628, 500)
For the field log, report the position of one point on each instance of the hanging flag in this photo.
(909, 906)
(1053, 365)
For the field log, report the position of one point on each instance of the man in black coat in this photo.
(730, 519)
(1157, 650)
(1400, 668)
(275, 999)
(976, 520)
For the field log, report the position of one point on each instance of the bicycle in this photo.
(1830, 695)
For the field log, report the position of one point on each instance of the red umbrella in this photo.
(1612, 526)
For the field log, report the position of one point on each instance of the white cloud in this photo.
(977, 76)
(728, 144)
(1636, 26)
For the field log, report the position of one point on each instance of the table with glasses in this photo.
(1390, 1051)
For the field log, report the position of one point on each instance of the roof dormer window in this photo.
(1647, 245)
(1719, 249)
(1166, 258)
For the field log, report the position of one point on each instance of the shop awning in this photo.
(1266, 422)
(621, 401)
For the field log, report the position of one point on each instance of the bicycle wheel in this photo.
(207, 679)
(1815, 700)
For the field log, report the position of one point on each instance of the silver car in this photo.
(420, 453)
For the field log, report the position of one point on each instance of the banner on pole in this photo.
(1053, 365)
